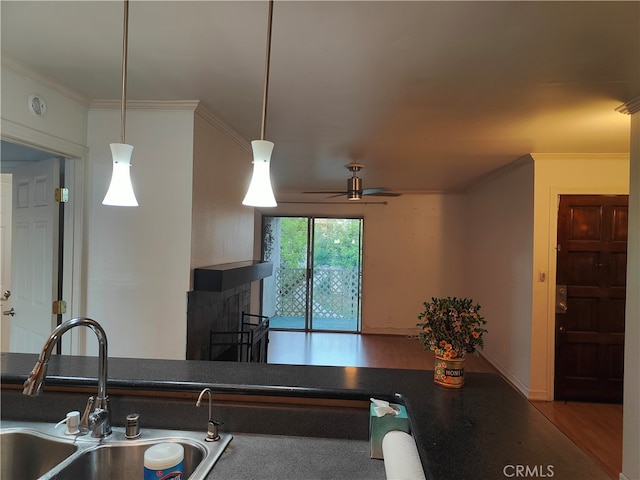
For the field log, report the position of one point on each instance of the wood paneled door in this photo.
(590, 297)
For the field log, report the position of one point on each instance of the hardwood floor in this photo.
(595, 428)
(351, 350)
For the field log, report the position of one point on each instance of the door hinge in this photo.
(62, 195)
(59, 307)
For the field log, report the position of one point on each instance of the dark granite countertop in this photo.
(484, 430)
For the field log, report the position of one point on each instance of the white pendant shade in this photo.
(120, 191)
(260, 193)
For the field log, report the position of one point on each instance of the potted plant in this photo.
(451, 327)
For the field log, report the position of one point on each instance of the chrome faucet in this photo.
(96, 421)
(212, 425)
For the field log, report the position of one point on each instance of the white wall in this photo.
(222, 228)
(499, 232)
(137, 259)
(557, 174)
(414, 249)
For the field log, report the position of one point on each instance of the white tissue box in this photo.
(380, 426)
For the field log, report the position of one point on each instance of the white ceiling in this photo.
(428, 95)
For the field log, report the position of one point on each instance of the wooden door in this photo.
(592, 260)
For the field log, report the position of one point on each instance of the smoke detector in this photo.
(36, 105)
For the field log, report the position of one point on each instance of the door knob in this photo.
(5, 295)
(11, 312)
(561, 329)
(561, 299)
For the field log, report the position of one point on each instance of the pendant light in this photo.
(120, 191)
(260, 193)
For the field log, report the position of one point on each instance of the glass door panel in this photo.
(336, 260)
(285, 293)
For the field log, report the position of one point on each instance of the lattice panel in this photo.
(335, 292)
(291, 287)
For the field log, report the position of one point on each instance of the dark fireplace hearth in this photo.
(220, 294)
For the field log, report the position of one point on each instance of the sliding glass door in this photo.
(317, 272)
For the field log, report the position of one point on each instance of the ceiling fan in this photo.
(354, 186)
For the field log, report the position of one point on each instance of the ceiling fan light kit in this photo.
(354, 186)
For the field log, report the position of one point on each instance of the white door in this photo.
(34, 254)
(5, 270)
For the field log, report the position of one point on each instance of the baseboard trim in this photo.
(538, 396)
(508, 375)
(408, 332)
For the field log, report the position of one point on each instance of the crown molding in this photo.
(630, 107)
(194, 106)
(170, 105)
(23, 70)
(579, 156)
(225, 129)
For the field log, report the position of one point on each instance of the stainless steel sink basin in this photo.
(123, 461)
(39, 451)
(27, 454)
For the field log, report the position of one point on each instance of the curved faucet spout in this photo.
(206, 390)
(35, 381)
(212, 425)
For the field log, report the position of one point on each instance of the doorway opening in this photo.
(317, 273)
(32, 247)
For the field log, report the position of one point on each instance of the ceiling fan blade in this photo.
(373, 191)
(379, 192)
(340, 192)
(383, 194)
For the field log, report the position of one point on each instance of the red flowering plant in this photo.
(451, 327)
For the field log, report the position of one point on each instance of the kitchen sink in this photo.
(27, 454)
(123, 461)
(33, 450)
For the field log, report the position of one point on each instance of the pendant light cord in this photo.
(266, 73)
(125, 38)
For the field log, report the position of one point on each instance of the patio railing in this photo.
(335, 292)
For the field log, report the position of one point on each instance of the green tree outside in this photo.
(336, 242)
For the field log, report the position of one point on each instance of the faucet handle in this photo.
(84, 419)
